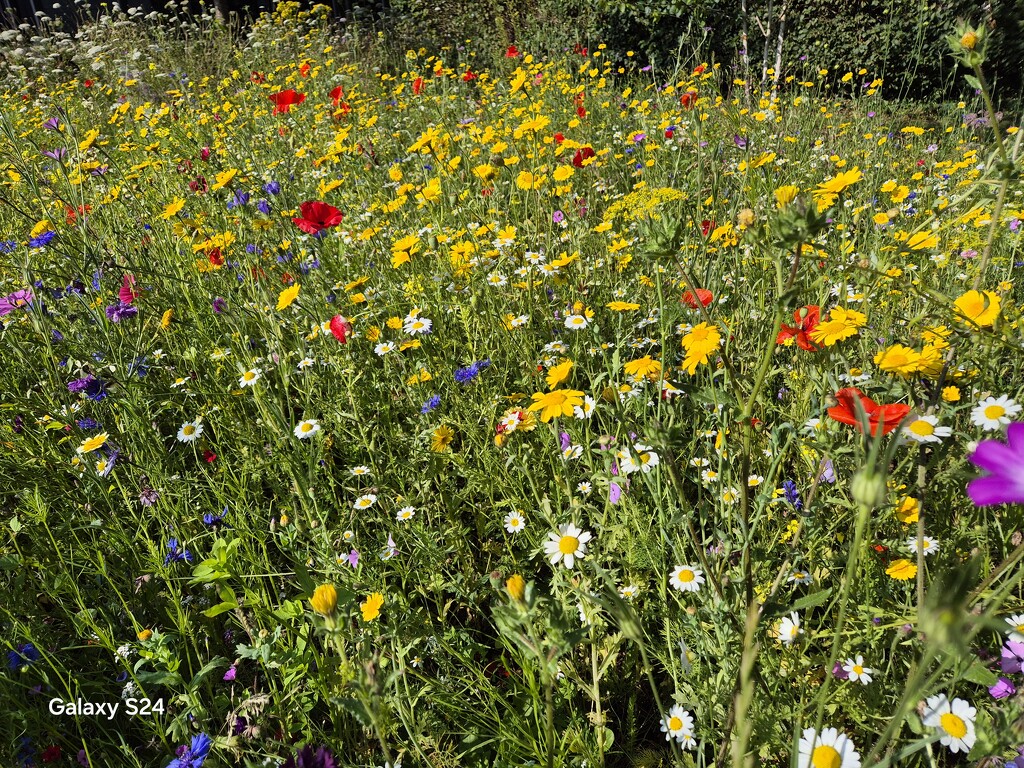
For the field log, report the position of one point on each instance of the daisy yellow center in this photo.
(858, 669)
(675, 724)
(514, 522)
(249, 376)
(686, 576)
(307, 427)
(953, 725)
(922, 428)
(826, 757)
(568, 545)
(994, 411)
(189, 430)
(1020, 627)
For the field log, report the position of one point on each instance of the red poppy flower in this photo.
(417, 86)
(88, 83)
(582, 154)
(204, 154)
(51, 754)
(581, 50)
(72, 215)
(285, 100)
(559, 138)
(669, 133)
(341, 328)
(317, 216)
(707, 226)
(216, 257)
(304, 69)
(257, 77)
(512, 52)
(888, 417)
(468, 76)
(699, 70)
(688, 99)
(210, 456)
(807, 319)
(336, 93)
(704, 296)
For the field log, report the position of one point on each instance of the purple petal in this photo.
(614, 493)
(996, 457)
(1015, 438)
(985, 491)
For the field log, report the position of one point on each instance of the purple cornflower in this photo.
(1005, 464)
(739, 141)
(192, 756)
(564, 441)
(792, 495)
(42, 240)
(93, 388)
(353, 558)
(1017, 762)
(117, 312)
(431, 404)
(213, 519)
(240, 198)
(175, 554)
(219, 305)
(229, 676)
(83, 758)
(57, 154)
(24, 655)
(839, 673)
(307, 758)
(272, 188)
(53, 124)
(470, 372)
(557, 217)
(1012, 657)
(1004, 688)
(16, 300)
(148, 497)
(263, 207)
(110, 463)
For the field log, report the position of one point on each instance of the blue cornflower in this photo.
(212, 519)
(111, 462)
(470, 372)
(119, 311)
(792, 494)
(241, 198)
(263, 206)
(272, 188)
(8, 246)
(176, 553)
(24, 655)
(431, 404)
(42, 240)
(94, 388)
(88, 423)
(192, 756)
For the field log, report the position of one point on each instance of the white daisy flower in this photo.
(359, 471)
(929, 545)
(519, 321)
(954, 720)
(190, 431)
(405, 514)
(584, 488)
(789, 628)
(384, 347)
(678, 725)
(994, 412)
(514, 522)
(926, 429)
(306, 428)
(496, 280)
(857, 671)
(349, 536)
(416, 325)
(829, 749)
(572, 452)
(629, 591)
(686, 578)
(801, 577)
(646, 459)
(304, 363)
(250, 377)
(365, 501)
(1016, 623)
(586, 410)
(576, 322)
(567, 544)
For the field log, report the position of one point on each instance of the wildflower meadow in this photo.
(363, 407)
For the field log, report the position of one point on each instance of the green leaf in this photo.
(220, 608)
(812, 600)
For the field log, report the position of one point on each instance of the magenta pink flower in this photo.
(1005, 464)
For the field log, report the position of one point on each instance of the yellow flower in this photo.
(371, 606)
(980, 307)
(838, 183)
(172, 208)
(224, 178)
(516, 586)
(527, 180)
(922, 240)
(144, 635)
(165, 321)
(646, 366)
(785, 195)
(902, 570)
(951, 394)
(287, 296)
(442, 438)
(558, 374)
(842, 324)
(699, 343)
(898, 359)
(559, 402)
(622, 306)
(969, 40)
(745, 218)
(324, 600)
(907, 511)
(98, 441)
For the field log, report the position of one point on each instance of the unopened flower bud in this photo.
(516, 587)
(868, 488)
(969, 39)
